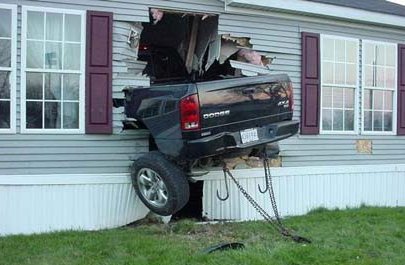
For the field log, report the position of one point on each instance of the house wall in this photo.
(274, 34)
(279, 35)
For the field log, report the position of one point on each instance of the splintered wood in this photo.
(246, 162)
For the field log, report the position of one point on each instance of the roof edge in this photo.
(321, 9)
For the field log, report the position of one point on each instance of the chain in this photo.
(269, 185)
(274, 222)
(255, 205)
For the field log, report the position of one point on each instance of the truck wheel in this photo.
(160, 184)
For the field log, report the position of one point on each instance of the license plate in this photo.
(249, 135)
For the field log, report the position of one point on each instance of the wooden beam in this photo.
(192, 44)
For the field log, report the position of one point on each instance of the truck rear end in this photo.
(216, 117)
(237, 114)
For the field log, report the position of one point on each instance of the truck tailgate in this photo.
(242, 103)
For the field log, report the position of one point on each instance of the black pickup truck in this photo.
(192, 121)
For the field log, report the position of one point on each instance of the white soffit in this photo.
(321, 9)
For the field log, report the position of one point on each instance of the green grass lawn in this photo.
(354, 236)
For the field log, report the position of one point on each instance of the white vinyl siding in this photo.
(8, 54)
(339, 84)
(53, 47)
(379, 87)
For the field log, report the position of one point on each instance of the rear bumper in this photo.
(226, 142)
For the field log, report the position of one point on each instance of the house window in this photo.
(8, 31)
(52, 70)
(379, 86)
(339, 82)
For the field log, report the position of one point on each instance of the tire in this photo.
(160, 184)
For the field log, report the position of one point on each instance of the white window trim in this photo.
(82, 115)
(356, 91)
(13, 76)
(394, 103)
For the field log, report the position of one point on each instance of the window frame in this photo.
(82, 71)
(12, 69)
(356, 106)
(394, 103)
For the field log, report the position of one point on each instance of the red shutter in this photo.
(99, 72)
(401, 90)
(310, 83)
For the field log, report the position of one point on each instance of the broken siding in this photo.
(127, 70)
(280, 37)
(271, 37)
(27, 154)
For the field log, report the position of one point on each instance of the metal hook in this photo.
(265, 190)
(226, 187)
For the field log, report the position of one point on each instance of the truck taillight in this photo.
(290, 95)
(190, 113)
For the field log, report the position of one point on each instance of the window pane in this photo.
(73, 28)
(52, 115)
(5, 23)
(71, 84)
(349, 98)
(326, 119)
(327, 49)
(339, 73)
(380, 55)
(35, 25)
(327, 73)
(368, 121)
(369, 76)
(340, 50)
(34, 86)
(368, 99)
(34, 115)
(53, 55)
(391, 51)
(368, 55)
(4, 85)
(5, 53)
(380, 78)
(53, 86)
(390, 76)
(349, 120)
(378, 120)
(338, 120)
(35, 54)
(351, 74)
(72, 57)
(351, 52)
(388, 121)
(338, 97)
(327, 97)
(388, 98)
(70, 115)
(4, 114)
(378, 99)
(54, 25)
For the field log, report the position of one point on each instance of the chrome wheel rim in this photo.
(152, 187)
